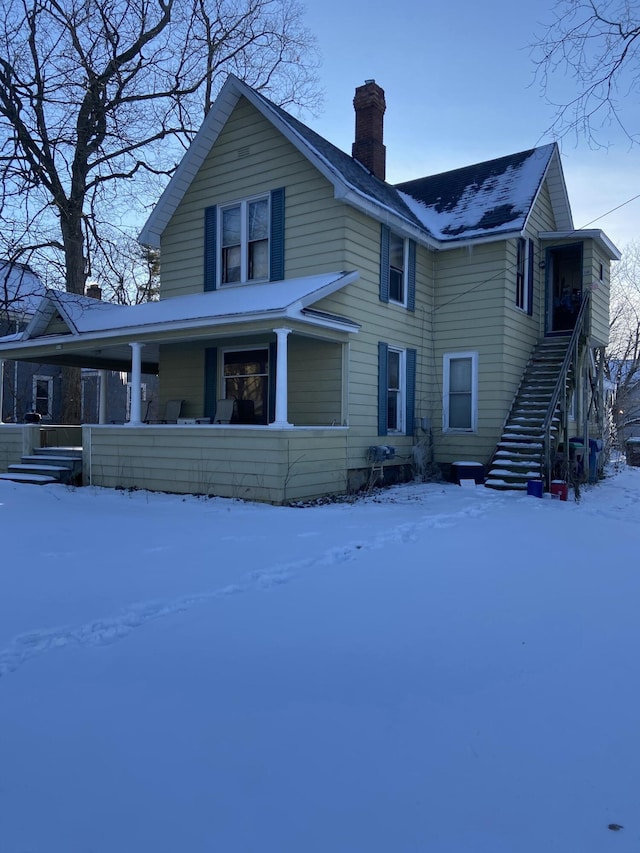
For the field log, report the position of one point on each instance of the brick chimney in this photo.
(370, 105)
(93, 290)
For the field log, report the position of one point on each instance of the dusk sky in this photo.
(459, 85)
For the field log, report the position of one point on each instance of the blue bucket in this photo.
(534, 488)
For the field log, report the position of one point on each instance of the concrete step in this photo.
(33, 479)
(76, 452)
(61, 474)
(73, 463)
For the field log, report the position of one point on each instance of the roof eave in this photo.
(596, 234)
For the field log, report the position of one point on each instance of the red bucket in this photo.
(559, 490)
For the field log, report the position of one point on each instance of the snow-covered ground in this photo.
(429, 669)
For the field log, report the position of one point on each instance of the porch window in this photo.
(524, 275)
(460, 380)
(43, 395)
(246, 380)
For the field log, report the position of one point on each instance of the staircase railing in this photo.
(570, 358)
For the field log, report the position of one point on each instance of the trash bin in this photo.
(576, 456)
(535, 488)
(595, 449)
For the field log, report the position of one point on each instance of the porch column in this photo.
(102, 405)
(1, 387)
(136, 378)
(281, 421)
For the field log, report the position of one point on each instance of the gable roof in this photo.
(486, 200)
(491, 197)
(20, 289)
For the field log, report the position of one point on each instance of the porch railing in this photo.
(570, 360)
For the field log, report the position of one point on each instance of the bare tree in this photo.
(596, 43)
(623, 353)
(98, 100)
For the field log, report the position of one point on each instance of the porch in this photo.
(250, 462)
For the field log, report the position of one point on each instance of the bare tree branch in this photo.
(596, 44)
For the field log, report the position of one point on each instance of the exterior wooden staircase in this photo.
(520, 454)
(48, 465)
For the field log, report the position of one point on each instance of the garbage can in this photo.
(595, 449)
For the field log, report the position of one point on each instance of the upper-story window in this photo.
(244, 241)
(397, 269)
(524, 275)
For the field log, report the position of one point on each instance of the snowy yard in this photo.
(433, 669)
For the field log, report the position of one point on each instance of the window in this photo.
(244, 241)
(524, 275)
(43, 395)
(460, 377)
(245, 378)
(396, 389)
(397, 269)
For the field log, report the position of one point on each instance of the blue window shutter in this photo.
(276, 243)
(273, 349)
(210, 381)
(411, 277)
(384, 267)
(410, 394)
(383, 388)
(210, 238)
(530, 279)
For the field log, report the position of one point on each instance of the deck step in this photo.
(33, 479)
(56, 472)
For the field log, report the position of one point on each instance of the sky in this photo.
(459, 86)
(427, 668)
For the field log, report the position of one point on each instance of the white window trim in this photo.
(446, 365)
(525, 276)
(405, 270)
(37, 377)
(244, 244)
(402, 392)
(253, 348)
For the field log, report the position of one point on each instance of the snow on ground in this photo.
(430, 669)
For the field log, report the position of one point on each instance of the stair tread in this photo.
(28, 478)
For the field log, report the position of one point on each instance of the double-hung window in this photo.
(524, 275)
(396, 389)
(397, 269)
(43, 395)
(460, 381)
(244, 241)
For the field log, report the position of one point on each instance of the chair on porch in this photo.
(224, 411)
(172, 411)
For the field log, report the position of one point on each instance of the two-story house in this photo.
(351, 324)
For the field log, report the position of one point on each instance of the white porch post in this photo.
(281, 379)
(102, 406)
(1, 387)
(136, 378)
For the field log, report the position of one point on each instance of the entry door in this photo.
(564, 287)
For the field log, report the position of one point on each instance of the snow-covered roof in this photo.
(491, 197)
(20, 289)
(485, 200)
(92, 319)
